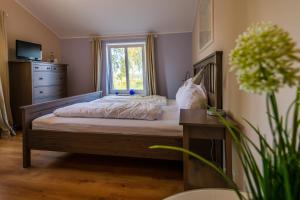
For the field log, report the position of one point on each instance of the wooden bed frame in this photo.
(107, 143)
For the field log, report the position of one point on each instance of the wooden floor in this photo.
(60, 176)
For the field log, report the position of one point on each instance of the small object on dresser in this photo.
(212, 111)
(51, 58)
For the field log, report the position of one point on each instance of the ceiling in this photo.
(83, 18)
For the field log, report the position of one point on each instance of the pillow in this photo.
(191, 96)
(197, 79)
(185, 84)
(180, 90)
(188, 82)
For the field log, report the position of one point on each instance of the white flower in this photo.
(264, 59)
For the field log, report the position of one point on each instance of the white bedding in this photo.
(154, 99)
(116, 107)
(166, 125)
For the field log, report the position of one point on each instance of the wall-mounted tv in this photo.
(28, 50)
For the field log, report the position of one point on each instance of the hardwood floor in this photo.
(61, 176)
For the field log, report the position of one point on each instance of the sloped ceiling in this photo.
(83, 18)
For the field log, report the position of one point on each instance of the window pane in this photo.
(135, 65)
(118, 68)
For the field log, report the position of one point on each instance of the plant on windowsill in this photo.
(264, 60)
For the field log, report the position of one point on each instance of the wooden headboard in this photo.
(213, 78)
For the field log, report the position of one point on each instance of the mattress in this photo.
(167, 125)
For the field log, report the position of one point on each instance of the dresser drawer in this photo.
(41, 67)
(47, 79)
(49, 67)
(51, 91)
(57, 68)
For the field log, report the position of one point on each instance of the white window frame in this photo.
(126, 45)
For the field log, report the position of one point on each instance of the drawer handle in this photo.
(41, 92)
(48, 68)
(36, 67)
(54, 68)
(41, 78)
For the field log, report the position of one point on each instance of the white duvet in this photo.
(116, 107)
(153, 99)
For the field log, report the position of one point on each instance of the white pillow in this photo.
(181, 89)
(191, 96)
(188, 82)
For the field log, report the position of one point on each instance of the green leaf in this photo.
(208, 163)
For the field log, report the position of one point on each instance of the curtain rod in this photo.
(119, 37)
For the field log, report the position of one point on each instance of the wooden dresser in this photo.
(35, 82)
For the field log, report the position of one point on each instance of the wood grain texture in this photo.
(213, 78)
(20, 88)
(32, 112)
(62, 176)
(35, 82)
(111, 144)
(198, 126)
(195, 117)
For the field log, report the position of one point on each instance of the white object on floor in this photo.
(205, 194)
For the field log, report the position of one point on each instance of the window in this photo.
(126, 63)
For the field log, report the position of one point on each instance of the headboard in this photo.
(213, 78)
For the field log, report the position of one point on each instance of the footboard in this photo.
(29, 113)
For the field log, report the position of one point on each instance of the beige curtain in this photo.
(97, 63)
(5, 112)
(151, 77)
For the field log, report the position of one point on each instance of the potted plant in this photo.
(264, 61)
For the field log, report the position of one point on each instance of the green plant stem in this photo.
(283, 145)
(278, 122)
(270, 121)
(248, 162)
(208, 163)
(256, 130)
(295, 119)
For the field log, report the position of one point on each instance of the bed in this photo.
(113, 137)
(166, 125)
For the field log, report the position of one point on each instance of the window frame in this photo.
(125, 45)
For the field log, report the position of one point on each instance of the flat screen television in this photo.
(28, 50)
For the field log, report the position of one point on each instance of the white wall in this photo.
(231, 17)
(22, 25)
(286, 14)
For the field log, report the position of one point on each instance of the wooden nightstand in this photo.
(198, 126)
